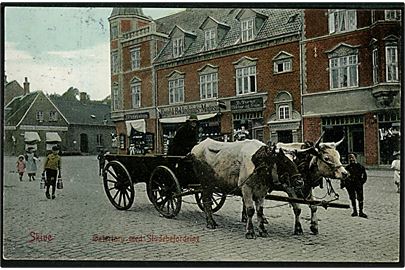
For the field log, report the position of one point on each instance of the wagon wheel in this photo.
(118, 185)
(217, 198)
(162, 188)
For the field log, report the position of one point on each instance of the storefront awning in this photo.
(182, 119)
(31, 137)
(52, 137)
(139, 125)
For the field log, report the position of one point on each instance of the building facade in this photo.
(278, 75)
(237, 69)
(38, 121)
(352, 80)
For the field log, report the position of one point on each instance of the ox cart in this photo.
(168, 179)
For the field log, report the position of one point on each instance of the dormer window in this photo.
(282, 62)
(247, 29)
(210, 41)
(342, 20)
(178, 46)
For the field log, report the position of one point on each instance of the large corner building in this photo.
(279, 75)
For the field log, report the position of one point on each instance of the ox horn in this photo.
(333, 144)
(316, 145)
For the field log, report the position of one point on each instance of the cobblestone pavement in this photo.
(81, 213)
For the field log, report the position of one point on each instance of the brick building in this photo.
(282, 74)
(190, 62)
(352, 80)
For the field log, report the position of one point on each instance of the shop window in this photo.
(391, 56)
(342, 20)
(344, 72)
(135, 58)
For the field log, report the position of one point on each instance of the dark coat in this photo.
(358, 175)
(185, 139)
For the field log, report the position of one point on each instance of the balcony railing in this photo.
(140, 32)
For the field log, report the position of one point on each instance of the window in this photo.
(375, 66)
(178, 46)
(53, 116)
(392, 15)
(176, 91)
(284, 112)
(282, 66)
(344, 72)
(135, 58)
(136, 94)
(114, 62)
(114, 31)
(115, 98)
(246, 80)
(391, 56)
(99, 139)
(40, 116)
(209, 86)
(342, 20)
(210, 39)
(247, 30)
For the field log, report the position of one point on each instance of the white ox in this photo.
(229, 167)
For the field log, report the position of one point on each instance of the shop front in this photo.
(172, 117)
(351, 129)
(247, 118)
(389, 135)
(139, 140)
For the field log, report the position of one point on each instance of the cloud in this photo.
(54, 72)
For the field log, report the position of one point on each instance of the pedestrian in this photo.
(186, 137)
(31, 163)
(101, 161)
(354, 184)
(396, 166)
(52, 166)
(20, 166)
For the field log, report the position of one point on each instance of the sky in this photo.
(61, 47)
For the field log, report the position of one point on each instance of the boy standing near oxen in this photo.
(354, 185)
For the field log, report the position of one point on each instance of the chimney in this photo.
(26, 86)
(83, 96)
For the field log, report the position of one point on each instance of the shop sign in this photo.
(136, 116)
(187, 109)
(247, 104)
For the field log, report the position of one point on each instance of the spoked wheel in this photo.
(118, 185)
(162, 188)
(217, 198)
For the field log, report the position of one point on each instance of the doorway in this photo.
(84, 143)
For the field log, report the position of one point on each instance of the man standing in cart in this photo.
(186, 137)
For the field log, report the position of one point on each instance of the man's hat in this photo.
(192, 117)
